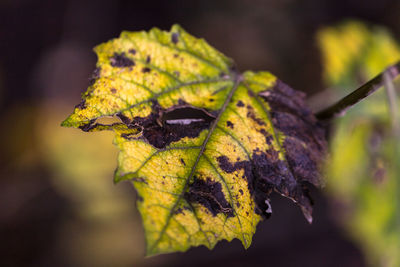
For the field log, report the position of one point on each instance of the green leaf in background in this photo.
(203, 144)
(363, 172)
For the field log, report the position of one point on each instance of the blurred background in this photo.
(58, 204)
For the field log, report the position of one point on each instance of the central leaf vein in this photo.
(237, 80)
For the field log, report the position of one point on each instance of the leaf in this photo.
(203, 145)
(351, 50)
(363, 173)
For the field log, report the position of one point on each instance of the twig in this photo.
(340, 107)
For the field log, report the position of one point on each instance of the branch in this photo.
(339, 108)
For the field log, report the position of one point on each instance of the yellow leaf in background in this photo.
(352, 49)
(341, 47)
(363, 170)
(203, 144)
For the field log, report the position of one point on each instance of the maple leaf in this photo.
(203, 144)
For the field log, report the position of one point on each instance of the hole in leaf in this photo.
(186, 116)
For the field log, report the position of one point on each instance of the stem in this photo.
(339, 108)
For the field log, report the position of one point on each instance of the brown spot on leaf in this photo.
(183, 162)
(251, 94)
(146, 69)
(250, 114)
(178, 123)
(240, 104)
(160, 137)
(121, 60)
(227, 166)
(209, 194)
(123, 118)
(88, 126)
(268, 136)
(82, 104)
(273, 174)
(132, 51)
(129, 136)
(229, 124)
(95, 75)
(148, 59)
(304, 144)
(178, 211)
(175, 37)
(113, 90)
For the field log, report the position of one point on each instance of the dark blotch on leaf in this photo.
(252, 115)
(291, 116)
(163, 127)
(123, 118)
(260, 194)
(178, 211)
(82, 104)
(240, 104)
(128, 136)
(120, 61)
(304, 144)
(88, 126)
(92, 125)
(209, 194)
(174, 37)
(268, 136)
(113, 90)
(146, 69)
(95, 75)
(227, 166)
(229, 124)
(148, 59)
(132, 51)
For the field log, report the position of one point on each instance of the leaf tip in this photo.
(246, 240)
(117, 177)
(176, 27)
(67, 122)
(307, 214)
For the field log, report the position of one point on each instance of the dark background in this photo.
(46, 57)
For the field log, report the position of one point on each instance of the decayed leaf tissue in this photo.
(203, 144)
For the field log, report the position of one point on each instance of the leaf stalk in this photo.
(339, 108)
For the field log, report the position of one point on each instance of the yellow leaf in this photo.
(203, 144)
(363, 171)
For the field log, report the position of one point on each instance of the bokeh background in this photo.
(58, 204)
